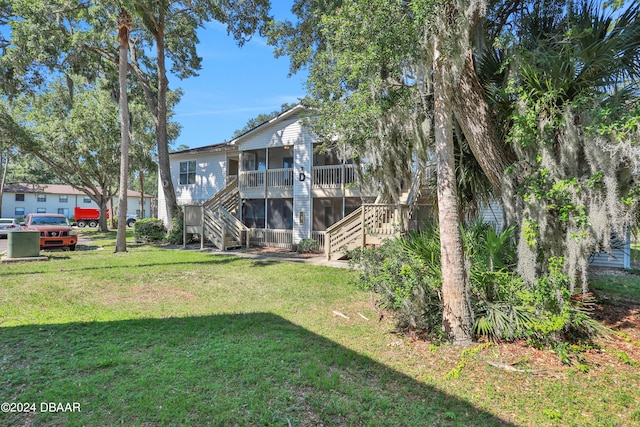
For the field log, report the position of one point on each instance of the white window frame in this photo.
(187, 172)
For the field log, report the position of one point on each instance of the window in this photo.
(41, 197)
(64, 199)
(19, 197)
(64, 211)
(19, 212)
(86, 200)
(188, 172)
(41, 210)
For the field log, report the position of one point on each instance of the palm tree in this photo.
(576, 68)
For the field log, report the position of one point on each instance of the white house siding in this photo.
(492, 213)
(286, 132)
(618, 258)
(162, 205)
(211, 172)
(302, 208)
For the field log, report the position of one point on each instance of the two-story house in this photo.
(275, 187)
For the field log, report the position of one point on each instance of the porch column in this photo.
(302, 175)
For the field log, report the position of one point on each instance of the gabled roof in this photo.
(231, 145)
(280, 117)
(221, 146)
(54, 189)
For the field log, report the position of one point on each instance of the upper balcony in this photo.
(333, 176)
(271, 173)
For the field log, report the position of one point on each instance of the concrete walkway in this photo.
(274, 254)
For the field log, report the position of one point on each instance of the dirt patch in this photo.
(619, 350)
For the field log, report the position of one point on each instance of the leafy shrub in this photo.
(308, 246)
(406, 275)
(175, 235)
(403, 282)
(561, 316)
(149, 230)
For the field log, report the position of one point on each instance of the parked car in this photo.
(7, 225)
(131, 220)
(55, 230)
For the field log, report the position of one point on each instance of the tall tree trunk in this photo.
(102, 221)
(4, 166)
(456, 313)
(124, 25)
(141, 178)
(164, 166)
(157, 104)
(478, 124)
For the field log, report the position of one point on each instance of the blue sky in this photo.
(235, 85)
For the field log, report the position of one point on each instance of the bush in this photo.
(404, 283)
(149, 230)
(175, 235)
(406, 275)
(307, 246)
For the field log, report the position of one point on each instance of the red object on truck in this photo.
(87, 216)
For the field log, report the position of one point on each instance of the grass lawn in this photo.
(621, 287)
(170, 337)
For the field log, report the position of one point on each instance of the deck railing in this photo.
(219, 223)
(370, 220)
(280, 178)
(334, 176)
(272, 237)
(251, 179)
(318, 236)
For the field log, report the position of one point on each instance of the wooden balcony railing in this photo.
(333, 176)
(369, 220)
(251, 179)
(280, 178)
(273, 178)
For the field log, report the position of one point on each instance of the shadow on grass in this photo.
(244, 369)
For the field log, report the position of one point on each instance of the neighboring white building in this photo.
(19, 200)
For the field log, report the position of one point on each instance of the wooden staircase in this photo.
(371, 224)
(221, 226)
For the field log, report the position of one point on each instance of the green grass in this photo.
(623, 287)
(635, 252)
(170, 337)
